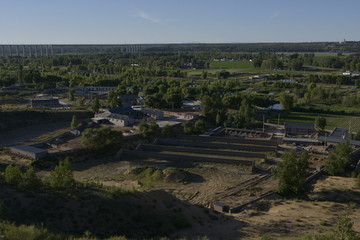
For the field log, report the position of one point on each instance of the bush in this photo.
(339, 159)
(291, 172)
(62, 177)
(13, 175)
(30, 180)
(95, 139)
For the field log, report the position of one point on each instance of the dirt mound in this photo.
(105, 212)
(176, 175)
(168, 175)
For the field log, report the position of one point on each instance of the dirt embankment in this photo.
(10, 120)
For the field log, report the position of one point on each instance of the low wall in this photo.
(185, 143)
(66, 153)
(175, 157)
(229, 140)
(151, 147)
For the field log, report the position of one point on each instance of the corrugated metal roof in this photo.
(299, 125)
(118, 116)
(308, 140)
(28, 149)
(338, 140)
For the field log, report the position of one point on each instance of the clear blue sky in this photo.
(177, 21)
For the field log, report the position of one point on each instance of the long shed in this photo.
(29, 151)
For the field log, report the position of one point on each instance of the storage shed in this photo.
(299, 128)
(28, 151)
(221, 207)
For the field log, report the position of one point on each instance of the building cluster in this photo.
(306, 133)
(128, 116)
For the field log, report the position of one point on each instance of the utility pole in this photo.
(263, 123)
(279, 119)
(350, 130)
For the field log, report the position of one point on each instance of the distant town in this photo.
(183, 141)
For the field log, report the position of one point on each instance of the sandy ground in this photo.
(329, 199)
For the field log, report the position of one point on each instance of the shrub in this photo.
(339, 159)
(30, 180)
(291, 172)
(13, 175)
(62, 177)
(95, 139)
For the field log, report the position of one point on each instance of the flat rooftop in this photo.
(28, 149)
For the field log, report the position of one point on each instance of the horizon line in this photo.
(175, 43)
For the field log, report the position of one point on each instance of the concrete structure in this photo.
(129, 100)
(187, 114)
(87, 91)
(191, 104)
(297, 128)
(121, 117)
(29, 152)
(153, 113)
(221, 207)
(339, 135)
(306, 141)
(120, 120)
(45, 103)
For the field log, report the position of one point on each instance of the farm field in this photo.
(333, 120)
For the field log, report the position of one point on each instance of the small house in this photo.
(129, 100)
(120, 120)
(153, 113)
(45, 103)
(221, 207)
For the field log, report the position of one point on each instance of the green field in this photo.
(247, 67)
(232, 65)
(333, 120)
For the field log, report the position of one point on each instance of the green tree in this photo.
(339, 159)
(223, 74)
(321, 122)
(81, 101)
(149, 130)
(114, 99)
(257, 62)
(345, 230)
(291, 172)
(95, 105)
(287, 101)
(30, 180)
(95, 139)
(62, 177)
(188, 127)
(357, 136)
(295, 64)
(219, 119)
(245, 112)
(204, 74)
(200, 126)
(71, 95)
(74, 122)
(167, 131)
(12, 175)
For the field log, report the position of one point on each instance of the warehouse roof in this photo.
(28, 149)
(299, 125)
